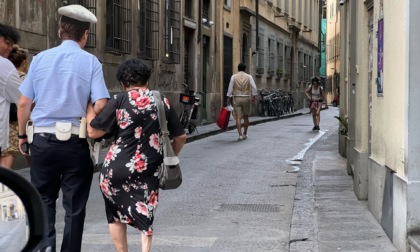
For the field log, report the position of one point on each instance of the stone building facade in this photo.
(198, 43)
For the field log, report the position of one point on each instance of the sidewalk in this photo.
(212, 129)
(327, 216)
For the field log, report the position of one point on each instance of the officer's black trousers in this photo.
(66, 165)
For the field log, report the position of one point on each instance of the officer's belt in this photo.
(74, 130)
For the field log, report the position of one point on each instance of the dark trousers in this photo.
(66, 165)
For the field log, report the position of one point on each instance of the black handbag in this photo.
(13, 113)
(169, 173)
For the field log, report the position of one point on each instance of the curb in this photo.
(215, 132)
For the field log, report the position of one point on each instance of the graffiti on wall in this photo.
(167, 77)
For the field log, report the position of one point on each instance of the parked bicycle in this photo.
(191, 103)
(275, 103)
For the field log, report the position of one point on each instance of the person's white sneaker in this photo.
(240, 138)
(244, 137)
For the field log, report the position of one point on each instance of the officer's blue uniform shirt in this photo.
(61, 81)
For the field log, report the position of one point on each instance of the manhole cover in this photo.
(250, 207)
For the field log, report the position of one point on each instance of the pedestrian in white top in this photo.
(9, 81)
(241, 92)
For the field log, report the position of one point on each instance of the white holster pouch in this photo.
(30, 131)
(63, 130)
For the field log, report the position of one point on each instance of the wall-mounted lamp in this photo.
(208, 23)
(342, 2)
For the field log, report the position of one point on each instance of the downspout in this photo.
(319, 35)
(256, 26)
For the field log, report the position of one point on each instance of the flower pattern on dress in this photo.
(137, 163)
(167, 102)
(123, 118)
(154, 142)
(153, 199)
(140, 99)
(137, 132)
(111, 155)
(142, 208)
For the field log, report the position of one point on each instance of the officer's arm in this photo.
(99, 105)
(90, 115)
(24, 112)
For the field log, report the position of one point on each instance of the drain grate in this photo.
(250, 207)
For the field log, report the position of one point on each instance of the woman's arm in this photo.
(178, 142)
(307, 92)
(90, 115)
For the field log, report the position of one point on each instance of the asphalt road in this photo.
(236, 195)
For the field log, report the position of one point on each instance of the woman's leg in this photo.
(118, 233)
(146, 242)
(313, 112)
(318, 115)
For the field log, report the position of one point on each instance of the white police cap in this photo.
(78, 12)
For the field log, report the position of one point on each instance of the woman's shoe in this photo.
(240, 138)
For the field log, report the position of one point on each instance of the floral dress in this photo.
(128, 178)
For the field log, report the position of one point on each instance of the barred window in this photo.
(288, 65)
(172, 31)
(311, 67)
(206, 9)
(188, 8)
(118, 26)
(260, 68)
(91, 6)
(272, 56)
(280, 68)
(300, 66)
(149, 24)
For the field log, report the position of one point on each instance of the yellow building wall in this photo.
(388, 110)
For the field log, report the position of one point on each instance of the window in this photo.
(271, 57)
(311, 69)
(300, 66)
(149, 24)
(286, 6)
(280, 70)
(288, 65)
(118, 26)
(279, 4)
(227, 3)
(172, 31)
(91, 6)
(260, 68)
(188, 8)
(206, 9)
(294, 9)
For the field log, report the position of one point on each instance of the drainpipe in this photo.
(256, 25)
(319, 35)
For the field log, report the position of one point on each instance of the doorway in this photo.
(227, 65)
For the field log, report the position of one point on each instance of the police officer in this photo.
(61, 81)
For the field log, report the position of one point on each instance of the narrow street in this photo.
(236, 195)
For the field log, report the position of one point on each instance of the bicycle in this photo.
(190, 102)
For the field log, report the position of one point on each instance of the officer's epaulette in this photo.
(35, 54)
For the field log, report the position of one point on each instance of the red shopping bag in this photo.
(223, 120)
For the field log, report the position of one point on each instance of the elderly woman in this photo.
(316, 96)
(128, 178)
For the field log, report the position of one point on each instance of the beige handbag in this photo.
(169, 173)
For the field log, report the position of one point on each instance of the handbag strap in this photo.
(161, 113)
